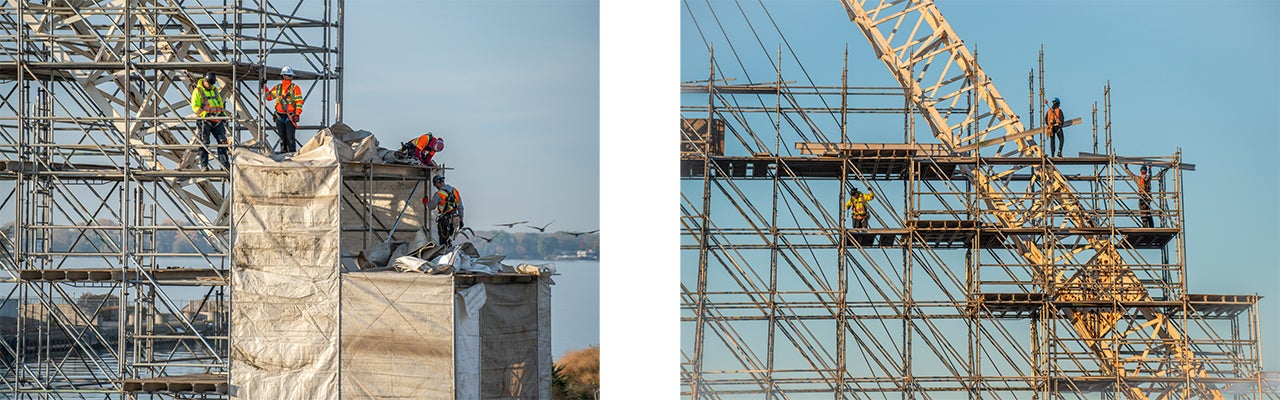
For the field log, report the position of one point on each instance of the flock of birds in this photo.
(542, 229)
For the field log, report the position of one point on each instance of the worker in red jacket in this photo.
(423, 148)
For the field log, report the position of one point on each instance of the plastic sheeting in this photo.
(303, 330)
(467, 342)
(398, 336)
(515, 332)
(284, 280)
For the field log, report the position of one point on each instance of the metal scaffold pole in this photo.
(119, 244)
(987, 268)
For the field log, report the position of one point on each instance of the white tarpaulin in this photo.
(467, 344)
(398, 336)
(302, 330)
(285, 275)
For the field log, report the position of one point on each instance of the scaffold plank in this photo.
(193, 383)
(61, 70)
(170, 276)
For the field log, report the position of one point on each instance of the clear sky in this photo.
(1200, 76)
(511, 85)
(513, 88)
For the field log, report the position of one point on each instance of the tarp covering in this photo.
(467, 344)
(514, 364)
(544, 337)
(398, 336)
(302, 329)
(284, 280)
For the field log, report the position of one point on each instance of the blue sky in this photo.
(1200, 76)
(512, 86)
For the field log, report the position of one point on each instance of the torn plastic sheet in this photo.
(382, 253)
(357, 146)
(415, 264)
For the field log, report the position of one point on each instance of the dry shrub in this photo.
(579, 372)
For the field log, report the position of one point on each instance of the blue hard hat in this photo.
(1055, 100)
(438, 178)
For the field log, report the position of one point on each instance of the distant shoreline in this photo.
(555, 246)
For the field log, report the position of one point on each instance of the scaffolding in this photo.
(989, 268)
(112, 223)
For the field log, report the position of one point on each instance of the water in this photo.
(575, 304)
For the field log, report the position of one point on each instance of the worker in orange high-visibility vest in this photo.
(208, 105)
(448, 205)
(423, 148)
(858, 204)
(1053, 121)
(288, 98)
(1143, 181)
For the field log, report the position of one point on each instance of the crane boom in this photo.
(937, 72)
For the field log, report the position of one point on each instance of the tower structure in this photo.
(989, 270)
(116, 257)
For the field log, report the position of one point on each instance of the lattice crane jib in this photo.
(133, 118)
(937, 71)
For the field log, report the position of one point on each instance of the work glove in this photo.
(294, 118)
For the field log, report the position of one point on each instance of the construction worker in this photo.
(858, 202)
(209, 106)
(1144, 197)
(448, 205)
(288, 109)
(1053, 123)
(423, 148)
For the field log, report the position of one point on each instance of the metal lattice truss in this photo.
(998, 276)
(117, 252)
(932, 64)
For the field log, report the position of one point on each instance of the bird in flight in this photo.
(576, 234)
(490, 239)
(511, 225)
(544, 227)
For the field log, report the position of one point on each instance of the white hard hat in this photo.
(286, 71)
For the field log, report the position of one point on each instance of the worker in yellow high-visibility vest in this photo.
(208, 105)
(858, 204)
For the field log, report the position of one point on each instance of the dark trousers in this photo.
(1144, 205)
(1056, 141)
(860, 221)
(285, 128)
(210, 131)
(447, 226)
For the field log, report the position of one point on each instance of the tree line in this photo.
(534, 245)
(106, 238)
